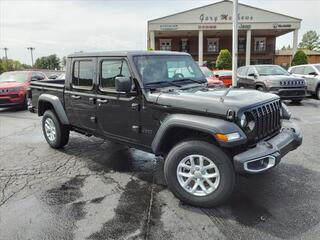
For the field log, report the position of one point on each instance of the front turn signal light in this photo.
(227, 137)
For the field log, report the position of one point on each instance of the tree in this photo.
(311, 41)
(51, 62)
(1, 66)
(224, 60)
(12, 65)
(64, 61)
(299, 58)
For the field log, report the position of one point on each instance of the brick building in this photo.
(284, 57)
(204, 31)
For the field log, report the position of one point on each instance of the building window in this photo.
(213, 44)
(165, 44)
(260, 44)
(242, 44)
(184, 45)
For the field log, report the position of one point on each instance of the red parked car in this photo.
(224, 75)
(13, 87)
(212, 81)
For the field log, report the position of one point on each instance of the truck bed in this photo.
(54, 87)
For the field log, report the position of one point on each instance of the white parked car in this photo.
(311, 73)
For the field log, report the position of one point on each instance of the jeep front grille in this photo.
(291, 83)
(267, 119)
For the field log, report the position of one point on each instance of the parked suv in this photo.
(13, 87)
(274, 79)
(159, 102)
(311, 73)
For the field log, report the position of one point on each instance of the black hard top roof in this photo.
(125, 53)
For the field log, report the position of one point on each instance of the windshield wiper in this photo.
(189, 79)
(162, 82)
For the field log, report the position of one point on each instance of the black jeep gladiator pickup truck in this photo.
(159, 102)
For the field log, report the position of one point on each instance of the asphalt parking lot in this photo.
(93, 189)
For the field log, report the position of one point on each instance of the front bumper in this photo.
(267, 154)
(289, 93)
(12, 99)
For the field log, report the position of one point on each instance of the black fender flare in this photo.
(203, 124)
(57, 106)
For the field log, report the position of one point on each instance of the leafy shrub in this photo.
(224, 60)
(299, 58)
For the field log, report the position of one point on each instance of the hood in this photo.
(212, 80)
(12, 84)
(211, 100)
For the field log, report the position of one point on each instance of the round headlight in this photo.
(243, 120)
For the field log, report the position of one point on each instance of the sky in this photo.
(65, 26)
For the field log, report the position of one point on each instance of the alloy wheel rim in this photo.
(198, 175)
(50, 129)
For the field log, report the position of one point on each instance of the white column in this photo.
(200, 54)
(235, 43)
(295, 41)
(152, 40)
(248, 47)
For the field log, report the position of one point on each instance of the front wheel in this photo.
(199, 173)
(56, 134)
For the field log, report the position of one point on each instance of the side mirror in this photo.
(252, 75)
(123, 84)
(313, 73)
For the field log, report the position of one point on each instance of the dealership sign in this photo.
(279, 25)
(168, 26)
(223, 18)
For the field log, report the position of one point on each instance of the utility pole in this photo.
(5, 52)
(235, 43)
(31, 51)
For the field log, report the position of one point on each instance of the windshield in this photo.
(167, 69)
(317, 67)
(271, 70)
(206, 71)
(14, 77)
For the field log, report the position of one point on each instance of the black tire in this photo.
(261, 88)
(61, 131)
(24, 105)
(217, 156)
(318, 93)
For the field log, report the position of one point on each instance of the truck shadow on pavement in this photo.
(283, 203)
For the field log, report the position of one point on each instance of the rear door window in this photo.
(298, 70)
(251, 71)
(82, 76)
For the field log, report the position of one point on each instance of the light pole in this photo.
(31, 51)
(5, 52)
(235, 43)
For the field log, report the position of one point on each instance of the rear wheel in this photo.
(56, 134)
(199, 173)
(260, 88)
(318, 92)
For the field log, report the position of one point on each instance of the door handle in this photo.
(102, 100)
(75, 96)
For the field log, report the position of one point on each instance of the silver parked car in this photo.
(311, 73)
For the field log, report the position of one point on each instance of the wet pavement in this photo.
(94, 189)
